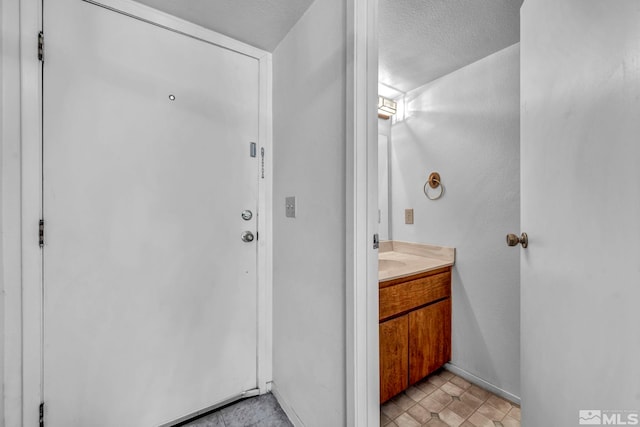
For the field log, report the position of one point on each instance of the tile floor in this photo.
(446, 400)
(259, 411)
(441, 400)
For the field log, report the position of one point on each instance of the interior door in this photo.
(149, 291)
(581, 209)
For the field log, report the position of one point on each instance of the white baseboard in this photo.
(481, 383)
(293, 417)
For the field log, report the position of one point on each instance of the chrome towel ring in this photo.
(434, 182)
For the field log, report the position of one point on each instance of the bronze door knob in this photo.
(513, 240)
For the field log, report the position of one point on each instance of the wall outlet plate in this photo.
(290, 206)
(408, 216)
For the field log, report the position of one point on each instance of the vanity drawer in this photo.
(411, 294)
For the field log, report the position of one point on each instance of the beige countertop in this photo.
(400, 259)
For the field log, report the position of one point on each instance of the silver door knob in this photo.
(247, 215)
(513, 240)
(247, 236)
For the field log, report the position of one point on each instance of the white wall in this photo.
(309, 251)
(465, 126)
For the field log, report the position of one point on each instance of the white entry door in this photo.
(581, 209)
(149, 291)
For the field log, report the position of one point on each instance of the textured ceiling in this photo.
(260, 23)
(421, 40)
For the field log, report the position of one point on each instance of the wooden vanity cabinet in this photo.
(394, 357)
(415, 329)
(429, 339)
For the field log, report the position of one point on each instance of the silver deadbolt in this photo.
(247, 236)
(247, 215)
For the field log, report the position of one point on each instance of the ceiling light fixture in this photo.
(386, 107)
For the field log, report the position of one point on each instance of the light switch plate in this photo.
(408, 216)
(290, 207)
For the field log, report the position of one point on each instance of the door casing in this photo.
(363, 375)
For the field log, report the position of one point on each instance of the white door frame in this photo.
(23, 365)
(363, 389)
(19, 106)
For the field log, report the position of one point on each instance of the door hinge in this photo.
(262, 162)
(376, 241)
(41, 46)
(41, 233)
(41, 412)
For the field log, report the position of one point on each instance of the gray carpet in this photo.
(259, 411)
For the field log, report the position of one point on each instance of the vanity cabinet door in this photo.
(394, 357)
(429, 339)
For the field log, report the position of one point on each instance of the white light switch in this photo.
(408, 216)
(290, 207)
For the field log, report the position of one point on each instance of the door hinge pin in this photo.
(41, 233)
(41, 46)
(41, 412)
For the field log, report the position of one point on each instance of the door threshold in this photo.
(187, 418)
